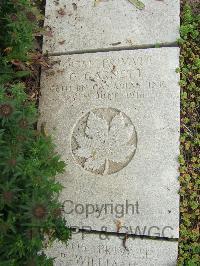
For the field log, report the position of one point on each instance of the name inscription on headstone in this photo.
(92, 250)
(126, 81)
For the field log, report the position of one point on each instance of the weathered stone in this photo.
(82, 25)
(115, 119)
(102, 250)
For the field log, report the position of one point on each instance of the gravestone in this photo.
(81, 25)
(115, 119)
(101, 250)
(114, 116)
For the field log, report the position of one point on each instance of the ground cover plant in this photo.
(29, 208)
(189, 244)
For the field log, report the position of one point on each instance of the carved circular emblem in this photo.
(104, 141)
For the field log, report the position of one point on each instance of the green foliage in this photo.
(18, 23)
(29, 208)
(189, 27)
(30, 213)
(189, 247)
(19, 19)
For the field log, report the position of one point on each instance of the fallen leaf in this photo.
(115, 43)
(33, 96)
(138, 4)
(8, 50)
(113, 69)
(39, 59)
(74, 6)
(16, 62)
(124, 242)
(60, 70)
(61, 12)
(50, 73)
(49, 33)
(129, 41)
(43, 129)
(61, 42)
(98, 1)
(56, 2)
(118, 225)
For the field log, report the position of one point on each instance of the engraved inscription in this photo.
(104, 141)
(111, 79)
(106, 255)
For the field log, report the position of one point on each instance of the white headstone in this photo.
(115, 119)
(76, 25)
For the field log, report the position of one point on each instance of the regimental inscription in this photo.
(104, 141)
(106, 79)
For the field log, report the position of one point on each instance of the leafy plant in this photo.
(189, 247)
(30, 212)
(29, 206)
(18, 24)
(19, 20)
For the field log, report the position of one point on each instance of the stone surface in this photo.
(115, 119)
(82, 24)
(96, 250)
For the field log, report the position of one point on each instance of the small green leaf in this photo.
(137, 4)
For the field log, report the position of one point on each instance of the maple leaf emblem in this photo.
(105, 142)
